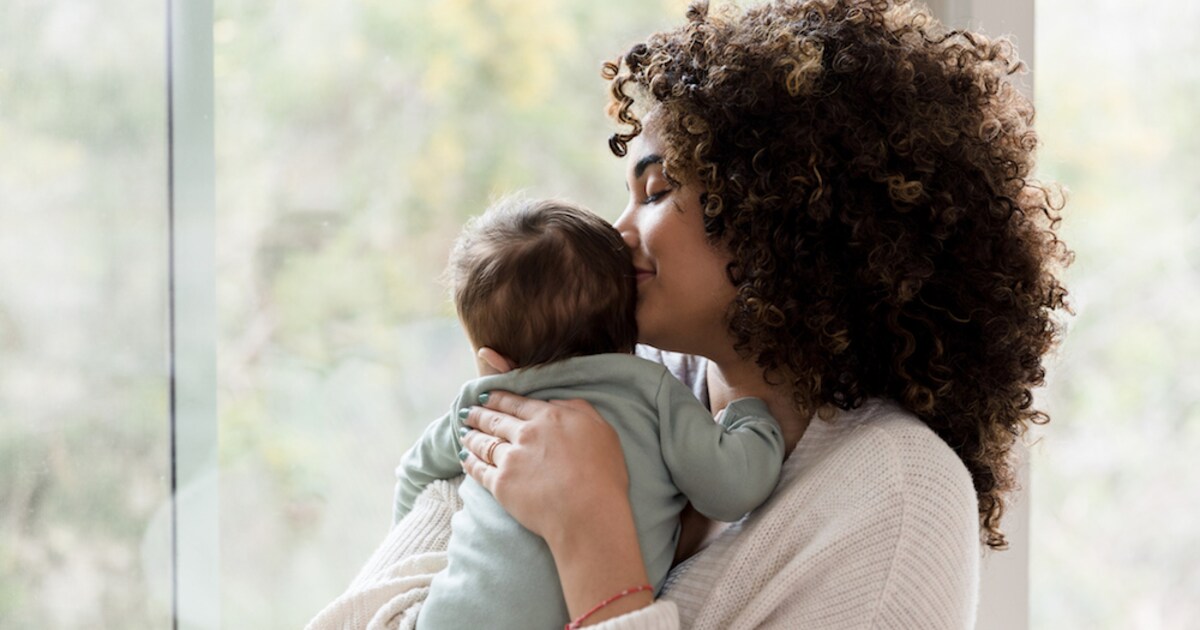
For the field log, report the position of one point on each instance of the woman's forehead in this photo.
(644, 150)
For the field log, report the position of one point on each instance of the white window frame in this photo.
(195, 527)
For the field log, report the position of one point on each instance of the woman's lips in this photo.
(643, 274)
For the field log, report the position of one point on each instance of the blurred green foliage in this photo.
(83, 337)
(353, 139)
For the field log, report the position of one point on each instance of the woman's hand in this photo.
(551, 465)
(557, 467)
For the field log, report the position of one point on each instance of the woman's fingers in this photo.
(490, 450)
(484, 456)
(515, 406)
(557, 462)
(482, 473)
(502, 414)
(492, 422)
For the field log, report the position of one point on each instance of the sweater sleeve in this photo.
(433, 457)
(388, 591)
(934, 578)
(724, 469)
(916, 579)
(661, 615)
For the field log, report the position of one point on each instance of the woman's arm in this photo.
(560, 472)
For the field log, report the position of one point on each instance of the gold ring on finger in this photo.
(487, 457)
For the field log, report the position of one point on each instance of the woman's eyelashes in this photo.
(655, 197)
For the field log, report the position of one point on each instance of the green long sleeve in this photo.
(433, 457)
(724, 469)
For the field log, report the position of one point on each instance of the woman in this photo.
(830, 209)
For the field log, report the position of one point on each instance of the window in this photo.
(84, 381)
(266, 222)
(350, 141)
(353, 140)
(1113, 494)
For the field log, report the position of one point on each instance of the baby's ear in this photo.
(497, 361)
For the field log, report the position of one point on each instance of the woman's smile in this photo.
(684, 292)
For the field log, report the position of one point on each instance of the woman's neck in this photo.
(735, 378)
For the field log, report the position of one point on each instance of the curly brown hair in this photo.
(869, 170)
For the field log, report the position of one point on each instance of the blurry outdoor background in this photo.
(352, 140)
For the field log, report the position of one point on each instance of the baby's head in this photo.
(543, 280)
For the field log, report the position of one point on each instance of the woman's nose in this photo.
(625, 226)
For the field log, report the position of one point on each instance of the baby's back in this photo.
(501, 575)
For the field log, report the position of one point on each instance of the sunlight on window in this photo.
(1114, 495)
(352, 141)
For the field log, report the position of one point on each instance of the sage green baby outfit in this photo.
(500, 575)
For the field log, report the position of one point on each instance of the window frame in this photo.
(195, 527)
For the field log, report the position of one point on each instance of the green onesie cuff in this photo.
(742, 408)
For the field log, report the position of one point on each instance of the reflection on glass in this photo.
(84, 426)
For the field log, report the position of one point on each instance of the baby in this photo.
(550, 289)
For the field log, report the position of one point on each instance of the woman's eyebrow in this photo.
(639, 169)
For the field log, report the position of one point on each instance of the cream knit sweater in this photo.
(873, 525)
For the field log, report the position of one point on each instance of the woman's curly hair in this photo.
(870, 171)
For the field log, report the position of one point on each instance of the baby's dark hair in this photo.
(543, 280)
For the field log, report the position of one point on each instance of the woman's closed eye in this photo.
(656, 196)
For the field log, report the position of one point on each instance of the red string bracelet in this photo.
(575, 625)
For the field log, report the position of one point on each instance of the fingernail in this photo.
(462, 455)
(462, 413)
(483, 398)
(463, 431)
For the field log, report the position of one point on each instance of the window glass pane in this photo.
(1114, 486)
(84, 470)
(353, 140)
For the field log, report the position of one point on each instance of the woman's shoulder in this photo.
(872, 508)
(880, 447)
(880, 478)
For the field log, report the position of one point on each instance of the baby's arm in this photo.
(725, 469)
(433, 457)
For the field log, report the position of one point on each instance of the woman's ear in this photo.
(494, 360)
